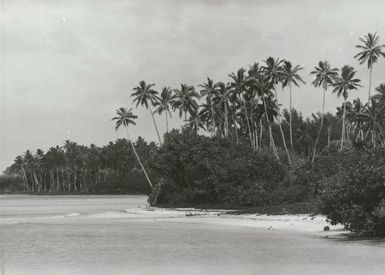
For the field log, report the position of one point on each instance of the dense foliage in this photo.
(355, 194)
(202, 170)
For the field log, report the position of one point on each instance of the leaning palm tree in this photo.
(290, 76)
(185, 100)
(324, 77)
(146, 96)
(342, 85)
(164, 103)
(370, 53)
(125, 118)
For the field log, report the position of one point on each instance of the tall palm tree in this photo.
(146, 96)
(342, 85)
(371, 52)
(290, 76)
(324, 77)
(263, 87)
(125, 118)
(274, 72)
(209, 90)
(239, 85)
(185, 100)
(164, 103)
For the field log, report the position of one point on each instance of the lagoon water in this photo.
(93, 235)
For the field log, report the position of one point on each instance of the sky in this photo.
(66, 66)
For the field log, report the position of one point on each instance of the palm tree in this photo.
(238, 85)
(324, 77)
(342, 85)
(370, 53)
(263, 87)
(184, 100)
(195, 122)
(373, 113)
(274, 72)
(290, 76)
(125, 118)
(380, 97)
(357, 118)
(165, 103)
(209, 90)
(146, 96)
(222, 100)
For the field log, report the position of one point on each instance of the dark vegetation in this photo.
(251, 155)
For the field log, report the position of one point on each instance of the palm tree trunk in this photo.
(247, 121)
(281, 130)
(370, 82)
(343, 126)
(166, 121)
(236, 130)
(156, 127)
(290, 123)
(329, 136)
(320, 128)
(226, 122)
(137, 157)
(260, 133)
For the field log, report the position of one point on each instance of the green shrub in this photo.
(355, 196)
(204, 170)
(9, 184)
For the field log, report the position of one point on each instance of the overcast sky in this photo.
(67, 65)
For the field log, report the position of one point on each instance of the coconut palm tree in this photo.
(274, 72)
(371, 52)
(209, 90)
(263, 86)
(125, 118)
(185, 100)
(196, 122)
(373, 113)
(163, 105)
(357, 118)
(324, 77)
(239, 85)
(290, 76)
(342, 85)
(146, 96)
(380, 96)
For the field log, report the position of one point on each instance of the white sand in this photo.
(299, 223)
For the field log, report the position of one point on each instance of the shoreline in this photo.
(304, 223)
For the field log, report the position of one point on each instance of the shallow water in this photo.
(91, 235)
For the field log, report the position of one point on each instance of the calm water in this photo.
(91, 235)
